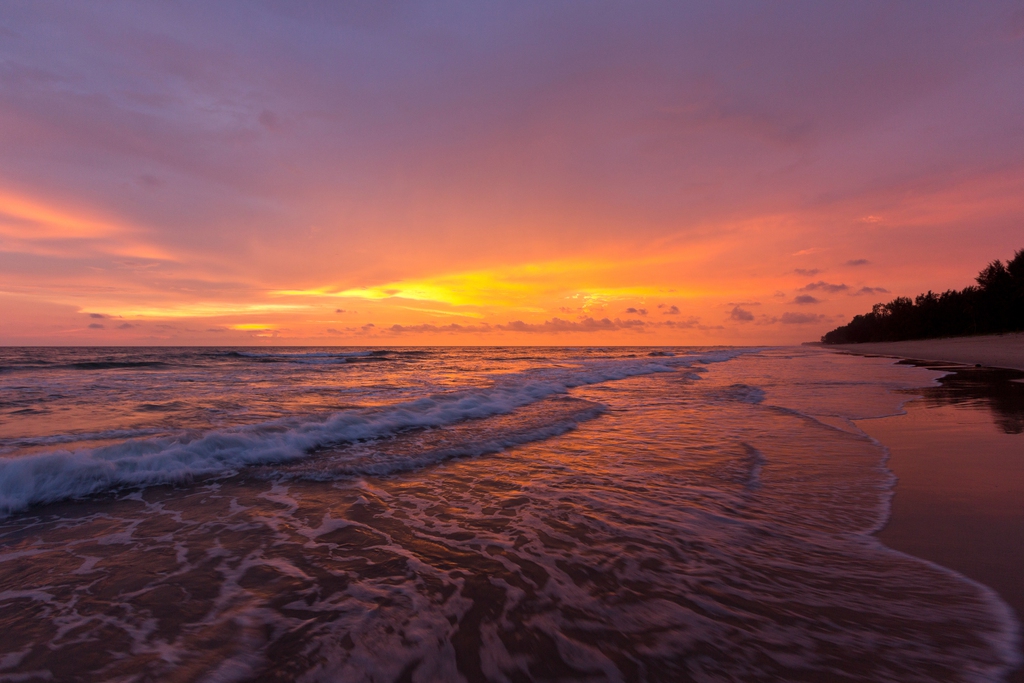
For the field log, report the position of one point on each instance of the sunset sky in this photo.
(547, 172)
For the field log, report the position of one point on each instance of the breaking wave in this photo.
(56, 475)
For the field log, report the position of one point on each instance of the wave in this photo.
(316, 357)
(58, 475)
(72, 437)
(743, 393)
(86, 365)
(416, 449)
(115, 365)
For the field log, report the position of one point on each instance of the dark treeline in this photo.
(994, 305)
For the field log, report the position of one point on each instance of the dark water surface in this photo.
(465, 514)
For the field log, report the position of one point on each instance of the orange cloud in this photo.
(35, 226)
(28, 219)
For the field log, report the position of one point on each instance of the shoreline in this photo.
(956, 453)
(993, 351)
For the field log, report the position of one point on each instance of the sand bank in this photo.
(995, 351)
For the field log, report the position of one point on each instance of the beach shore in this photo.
(957, 456)
(994, 351)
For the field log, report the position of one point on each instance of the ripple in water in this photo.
(668, 526)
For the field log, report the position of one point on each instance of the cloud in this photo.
(806, 299)
(824, 287)
(593, 325)
(97, 315)
(672, 310)
(857, 262)
(453, 327)
(689, 323)
(339, 310)
(637, 311)
(95, 326)
(870, 290)
(740, 314)
(415, 159)
(808, 252)
(807, 272)
(367, 327)
(125, 326)
(801, 318)
(588, 324)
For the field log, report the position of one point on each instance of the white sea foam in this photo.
(534, 422)
(312, 357)
(61, 474)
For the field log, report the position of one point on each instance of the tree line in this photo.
(995, 305)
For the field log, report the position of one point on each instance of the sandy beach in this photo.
(994, 351)
(957, 454)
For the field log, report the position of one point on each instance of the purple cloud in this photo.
(741, 314)
(824, 287)
(801, 318)
(586, 325)
(427, 327)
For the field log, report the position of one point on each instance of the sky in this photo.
(549, 172)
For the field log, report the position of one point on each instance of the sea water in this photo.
(467, 514)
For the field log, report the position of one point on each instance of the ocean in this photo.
(466, 514)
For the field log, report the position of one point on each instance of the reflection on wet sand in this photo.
(999, 390)
(958, 454)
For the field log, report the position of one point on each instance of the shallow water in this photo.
(959, 456)
(465, 514)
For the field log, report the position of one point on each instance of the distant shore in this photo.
(995, 351)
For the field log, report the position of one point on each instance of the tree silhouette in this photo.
(993, 306)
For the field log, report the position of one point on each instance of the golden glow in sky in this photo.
(514, 173)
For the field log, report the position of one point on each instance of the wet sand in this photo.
(959, 457)
(994, 351)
